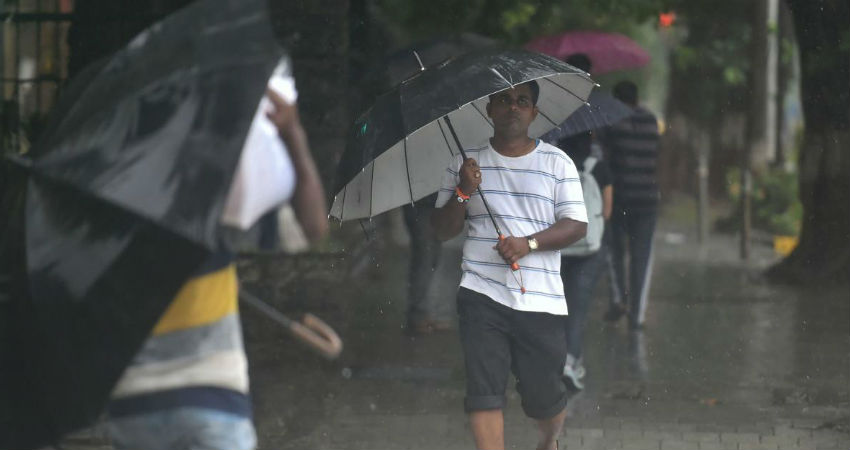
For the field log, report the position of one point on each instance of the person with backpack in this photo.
(582, 261)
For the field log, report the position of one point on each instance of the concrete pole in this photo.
(703, 145)
(761, 145)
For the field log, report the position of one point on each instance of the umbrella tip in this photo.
(419, 60)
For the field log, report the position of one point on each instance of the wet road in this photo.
(726, 361)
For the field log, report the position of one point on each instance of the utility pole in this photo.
(761, 142)
(703, 146)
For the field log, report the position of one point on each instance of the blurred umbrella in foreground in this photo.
(608, 52)
(126, 194)
(602, 110)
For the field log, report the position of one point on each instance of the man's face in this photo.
(512, 110)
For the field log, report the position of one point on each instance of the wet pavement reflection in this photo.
(726, 361)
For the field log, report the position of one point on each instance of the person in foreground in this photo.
(534, 192)
(187, 388)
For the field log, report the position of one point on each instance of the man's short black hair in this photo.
(579, 61)
(626, 92)
(535, 90)
(532, 86)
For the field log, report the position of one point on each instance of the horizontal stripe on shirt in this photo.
(228, 370)
(515, 194)
(222, 335)
(504, 216)
(201, 300)
(518, 171)
(476, 238)
(559, 155)
(513, 289)
(506, 265)
(633, 135)
(569, 202)
(208, 397)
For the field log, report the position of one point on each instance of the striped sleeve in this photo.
(451, 178)
(569, 200)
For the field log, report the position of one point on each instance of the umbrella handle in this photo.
(311, 330)
(514, 266)
(317, 334)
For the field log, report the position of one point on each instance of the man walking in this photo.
(632, 152)
(512, 321)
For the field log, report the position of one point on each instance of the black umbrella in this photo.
(399, 148)
(410, 60)
(602, 110)
(124, 195)
(402, 145)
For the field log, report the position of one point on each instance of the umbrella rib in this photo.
(502, 77)
(547, 118)
(342, 207)
(445, 138)
(568, 91)
(482, 114)
(407, 168)
(372, 190)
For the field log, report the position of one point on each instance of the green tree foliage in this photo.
(514, 21)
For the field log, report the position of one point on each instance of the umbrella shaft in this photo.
(463, 153)
(265, 308)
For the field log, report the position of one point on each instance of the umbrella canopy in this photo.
(608, 52)
(602, 110)
(124, 195)
(409, 61)
(400, 147)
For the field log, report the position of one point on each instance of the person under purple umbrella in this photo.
(608, 52)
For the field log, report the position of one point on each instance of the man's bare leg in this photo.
(488, 429)
(549, 430)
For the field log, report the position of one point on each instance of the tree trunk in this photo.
(823, 253)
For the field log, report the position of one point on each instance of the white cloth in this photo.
(265, 176)
(526, 194)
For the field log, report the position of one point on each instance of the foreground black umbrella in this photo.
(400, 147)
(124, 196)
(602, 110)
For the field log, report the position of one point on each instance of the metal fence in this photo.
(33, 65)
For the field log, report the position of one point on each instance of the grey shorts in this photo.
(497, 340)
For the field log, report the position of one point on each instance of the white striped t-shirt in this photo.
(526, 194)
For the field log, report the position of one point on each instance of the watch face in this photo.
(532, 244)
(460, 199)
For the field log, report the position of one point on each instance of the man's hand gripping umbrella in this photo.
(470, 176)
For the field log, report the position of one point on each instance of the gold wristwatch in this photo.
(532, 244)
